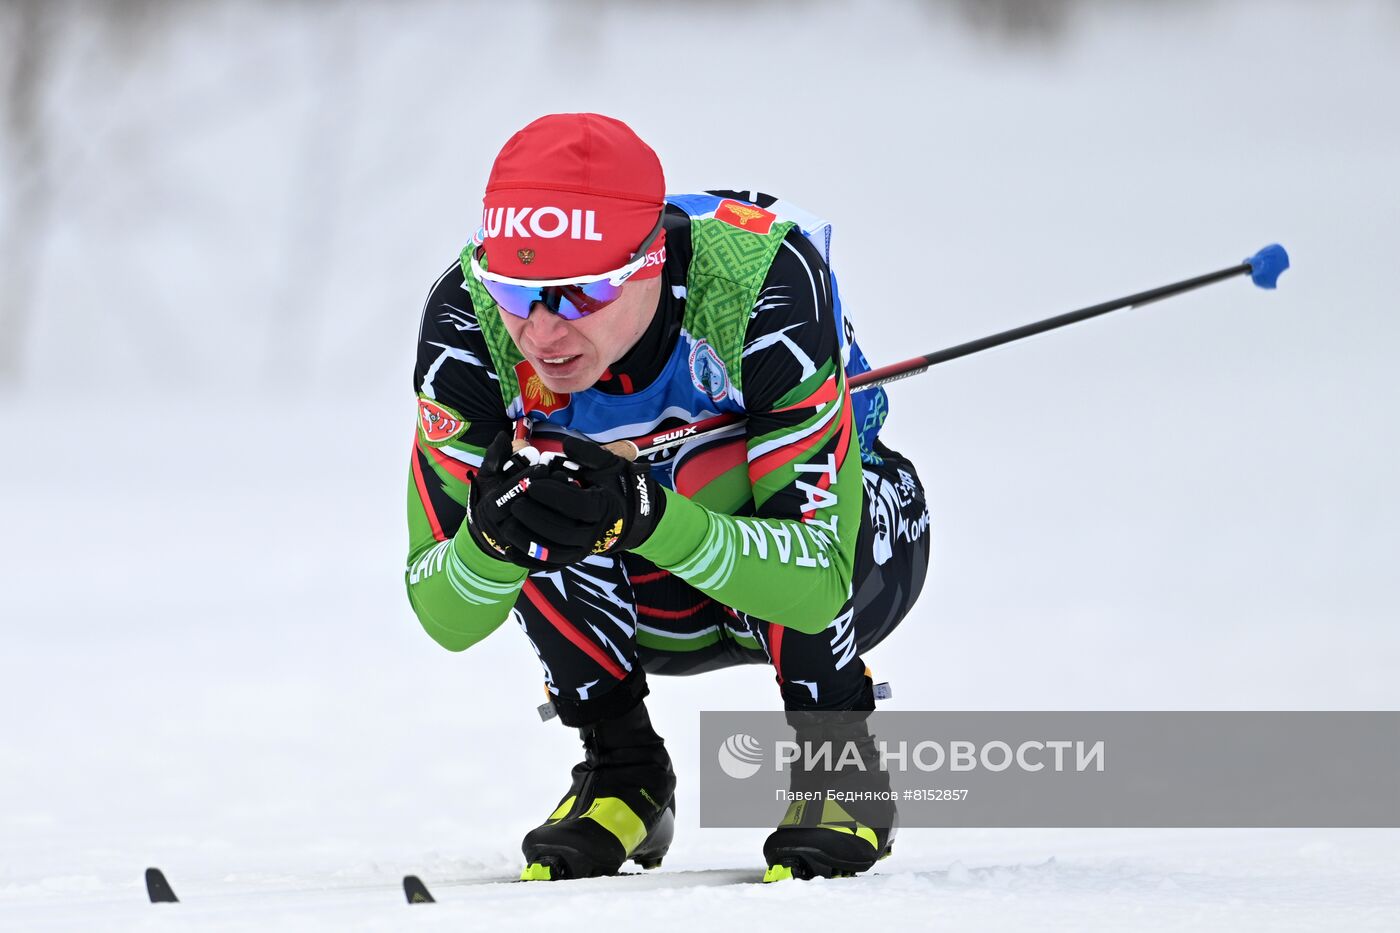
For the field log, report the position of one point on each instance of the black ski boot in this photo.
(621, 805)
(849, 822)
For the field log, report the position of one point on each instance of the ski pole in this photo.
(1264, 268)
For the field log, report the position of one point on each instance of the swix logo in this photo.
(745, 216)
(544, 222)
(643, 496)
(438, 423)
(534, 394)
(677, 434)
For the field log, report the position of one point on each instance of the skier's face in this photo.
(572, 355)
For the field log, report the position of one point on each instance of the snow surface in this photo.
(209, 664)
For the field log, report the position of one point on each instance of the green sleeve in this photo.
(797, 571)
(459, 593)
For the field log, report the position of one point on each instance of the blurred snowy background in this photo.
(218, 222)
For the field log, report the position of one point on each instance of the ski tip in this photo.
(416, 891)
(1267, 265)
(158, 889)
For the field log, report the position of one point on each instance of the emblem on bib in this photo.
(745, 216)
(438, 423)
(707, 371)
(534, 394)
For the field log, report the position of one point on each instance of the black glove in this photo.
(591, 502)
(500, 482)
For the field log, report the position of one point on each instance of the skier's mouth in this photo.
(558, 365)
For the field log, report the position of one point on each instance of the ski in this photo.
(160, 891)
(416, 891)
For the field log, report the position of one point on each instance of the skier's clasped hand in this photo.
(502, 480)
(547, 510)
(629, 502)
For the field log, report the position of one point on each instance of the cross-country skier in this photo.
(592, 307)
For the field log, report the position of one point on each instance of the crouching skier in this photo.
(592, 307)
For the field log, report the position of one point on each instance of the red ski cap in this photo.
(573, 194)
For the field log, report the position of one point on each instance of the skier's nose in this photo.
(545, 326)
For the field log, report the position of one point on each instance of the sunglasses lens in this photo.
(585, 299)
(570, 302)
